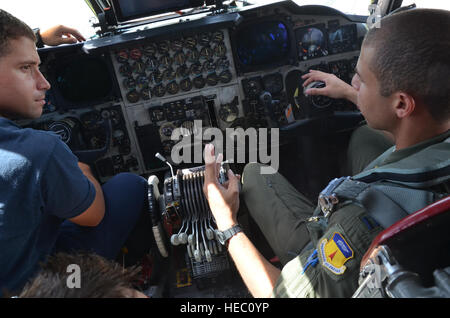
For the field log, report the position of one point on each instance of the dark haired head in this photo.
(12, 28)
(412, 55)
(99, 278)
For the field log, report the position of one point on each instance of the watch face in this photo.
(220, 237)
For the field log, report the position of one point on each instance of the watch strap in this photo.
(229, 233)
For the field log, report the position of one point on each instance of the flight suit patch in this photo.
(334, 253)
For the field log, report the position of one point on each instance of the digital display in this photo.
(132, 9)
(262, 43)
(84, 80)
(311, 42)
(343, 39)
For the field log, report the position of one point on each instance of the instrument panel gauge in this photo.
(199, 82)
(156, 114)
(273, 83)
(165, 60)
(157, 76)
(163, 47)
(186, 84)
(172, 88)
(225, 76)
(135, 54)
(204, 39)
(149, 50)
(179, 57)
(133, 96)
(206, 52)
(166, 129)
(212, 79)
(220, 50)
(193, 55)
(122, 56)
(139, 67)
(217, 36)
(228, 113)
(182, 71)
(159, 90)
(167, 146)
(152, 64)
(222, 64)
(190, 42)
(129, 83)
(196, 69)
(169, 74)
(209, 66)
(188, 128)
(142, 81)
(125, 69)
(177, 45)
(146, 93)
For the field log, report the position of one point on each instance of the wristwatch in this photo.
(39, 41)
(224, 236)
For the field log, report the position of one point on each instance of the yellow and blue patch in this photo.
(335, 253)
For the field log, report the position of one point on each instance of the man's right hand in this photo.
(334, 86)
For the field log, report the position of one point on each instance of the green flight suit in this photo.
(321, 257)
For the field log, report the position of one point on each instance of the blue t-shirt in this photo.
(41, 185)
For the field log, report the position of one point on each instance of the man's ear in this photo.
(405, 104)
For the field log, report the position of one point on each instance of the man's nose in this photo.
(42, 83)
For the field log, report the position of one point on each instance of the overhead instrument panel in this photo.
(165, 68)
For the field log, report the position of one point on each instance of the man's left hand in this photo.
(61, 34)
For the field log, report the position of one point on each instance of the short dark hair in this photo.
(12, 28)
(412, 55)
(99, 277)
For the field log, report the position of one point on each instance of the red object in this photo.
(410, 221)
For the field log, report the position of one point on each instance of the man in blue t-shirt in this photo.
(49, 201)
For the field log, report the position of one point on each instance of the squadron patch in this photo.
(335, 253)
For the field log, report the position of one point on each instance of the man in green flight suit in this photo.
(401, 86)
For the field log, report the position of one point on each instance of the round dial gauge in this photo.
(206, 52)
(149, 50)
(166, 129)
(177, 45)
(217, 36)
(135, 54)
(188, 128)
(139, 67)
(125, 69)
(146, 93)
(163, 47)
(186, 84)
(225, 76)
(157, 76)
(179, 58)
(122, 56)
(209, 66)
(159, 90)
(169, 74)
(183, 71)
(212, 79)
(193, 55)
(133, 96)
(152, 64)
(228, 113)
(196, 69)
(204, 39)
(142, 81)
(172, 88)
(199, 82)
(129, 83)
(190, 42)
(220, 50)
(165, 60)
